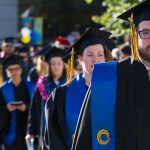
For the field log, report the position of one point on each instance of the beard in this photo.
(145, 53)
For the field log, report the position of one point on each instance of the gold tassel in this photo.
(43, 69)
(71, 67)
(134, 42)
(68, 69)
(1, 75)
(72, 63)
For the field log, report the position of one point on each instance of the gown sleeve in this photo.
(55, 120)
(33, 127)
(4, 117)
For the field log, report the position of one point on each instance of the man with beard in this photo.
(115, 114)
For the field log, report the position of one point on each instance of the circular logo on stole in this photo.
(103, 137)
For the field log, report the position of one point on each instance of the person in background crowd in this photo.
(17, 95)
(36, 71)
(115, 53)
(8, 48)
(45, 85)
(73, 37)
(124, 51)
(24, 53)
(62, 42)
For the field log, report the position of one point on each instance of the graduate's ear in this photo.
(8, 73)
(21, 69)
(79, 59)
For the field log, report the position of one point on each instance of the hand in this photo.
(10, 107)
(29, 137)
(29, 140)
(21, 107)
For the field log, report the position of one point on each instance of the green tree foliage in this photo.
(88, 1)
(109, 17)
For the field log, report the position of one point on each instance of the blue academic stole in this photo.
(50, 86)
(8, 93)
(75, 94)
(103, 97)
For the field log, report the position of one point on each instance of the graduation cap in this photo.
(13, 60)
(23, 49)
(9, 39)
(54, 52)
(6, 40)
(140, 12)
(43, 51)
(136, 15)
(90, 37)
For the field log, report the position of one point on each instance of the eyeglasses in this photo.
(14, 69)
(144, 34)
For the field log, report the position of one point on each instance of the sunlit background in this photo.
(49, 18)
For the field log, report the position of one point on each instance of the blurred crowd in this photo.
(28, 74)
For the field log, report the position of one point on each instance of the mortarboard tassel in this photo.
(1, 74)
(71, 66)
(68, 69)
(43, 69)
(134, 42)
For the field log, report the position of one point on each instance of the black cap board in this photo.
(54, 52)
(89, 37)
(9, 39)
(141, 12)
(13, 60)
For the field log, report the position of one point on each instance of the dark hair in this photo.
(50, 72)
(108, 56)
(126, 49)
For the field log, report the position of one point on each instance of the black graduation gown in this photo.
(132, 110)
(4, 118)
(36, 114)
(56, 127)
(33, 75)
(34, 118)
(55, 112)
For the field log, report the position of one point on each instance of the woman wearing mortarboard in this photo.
(46, 84)
(64, 104)
(123, 110)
